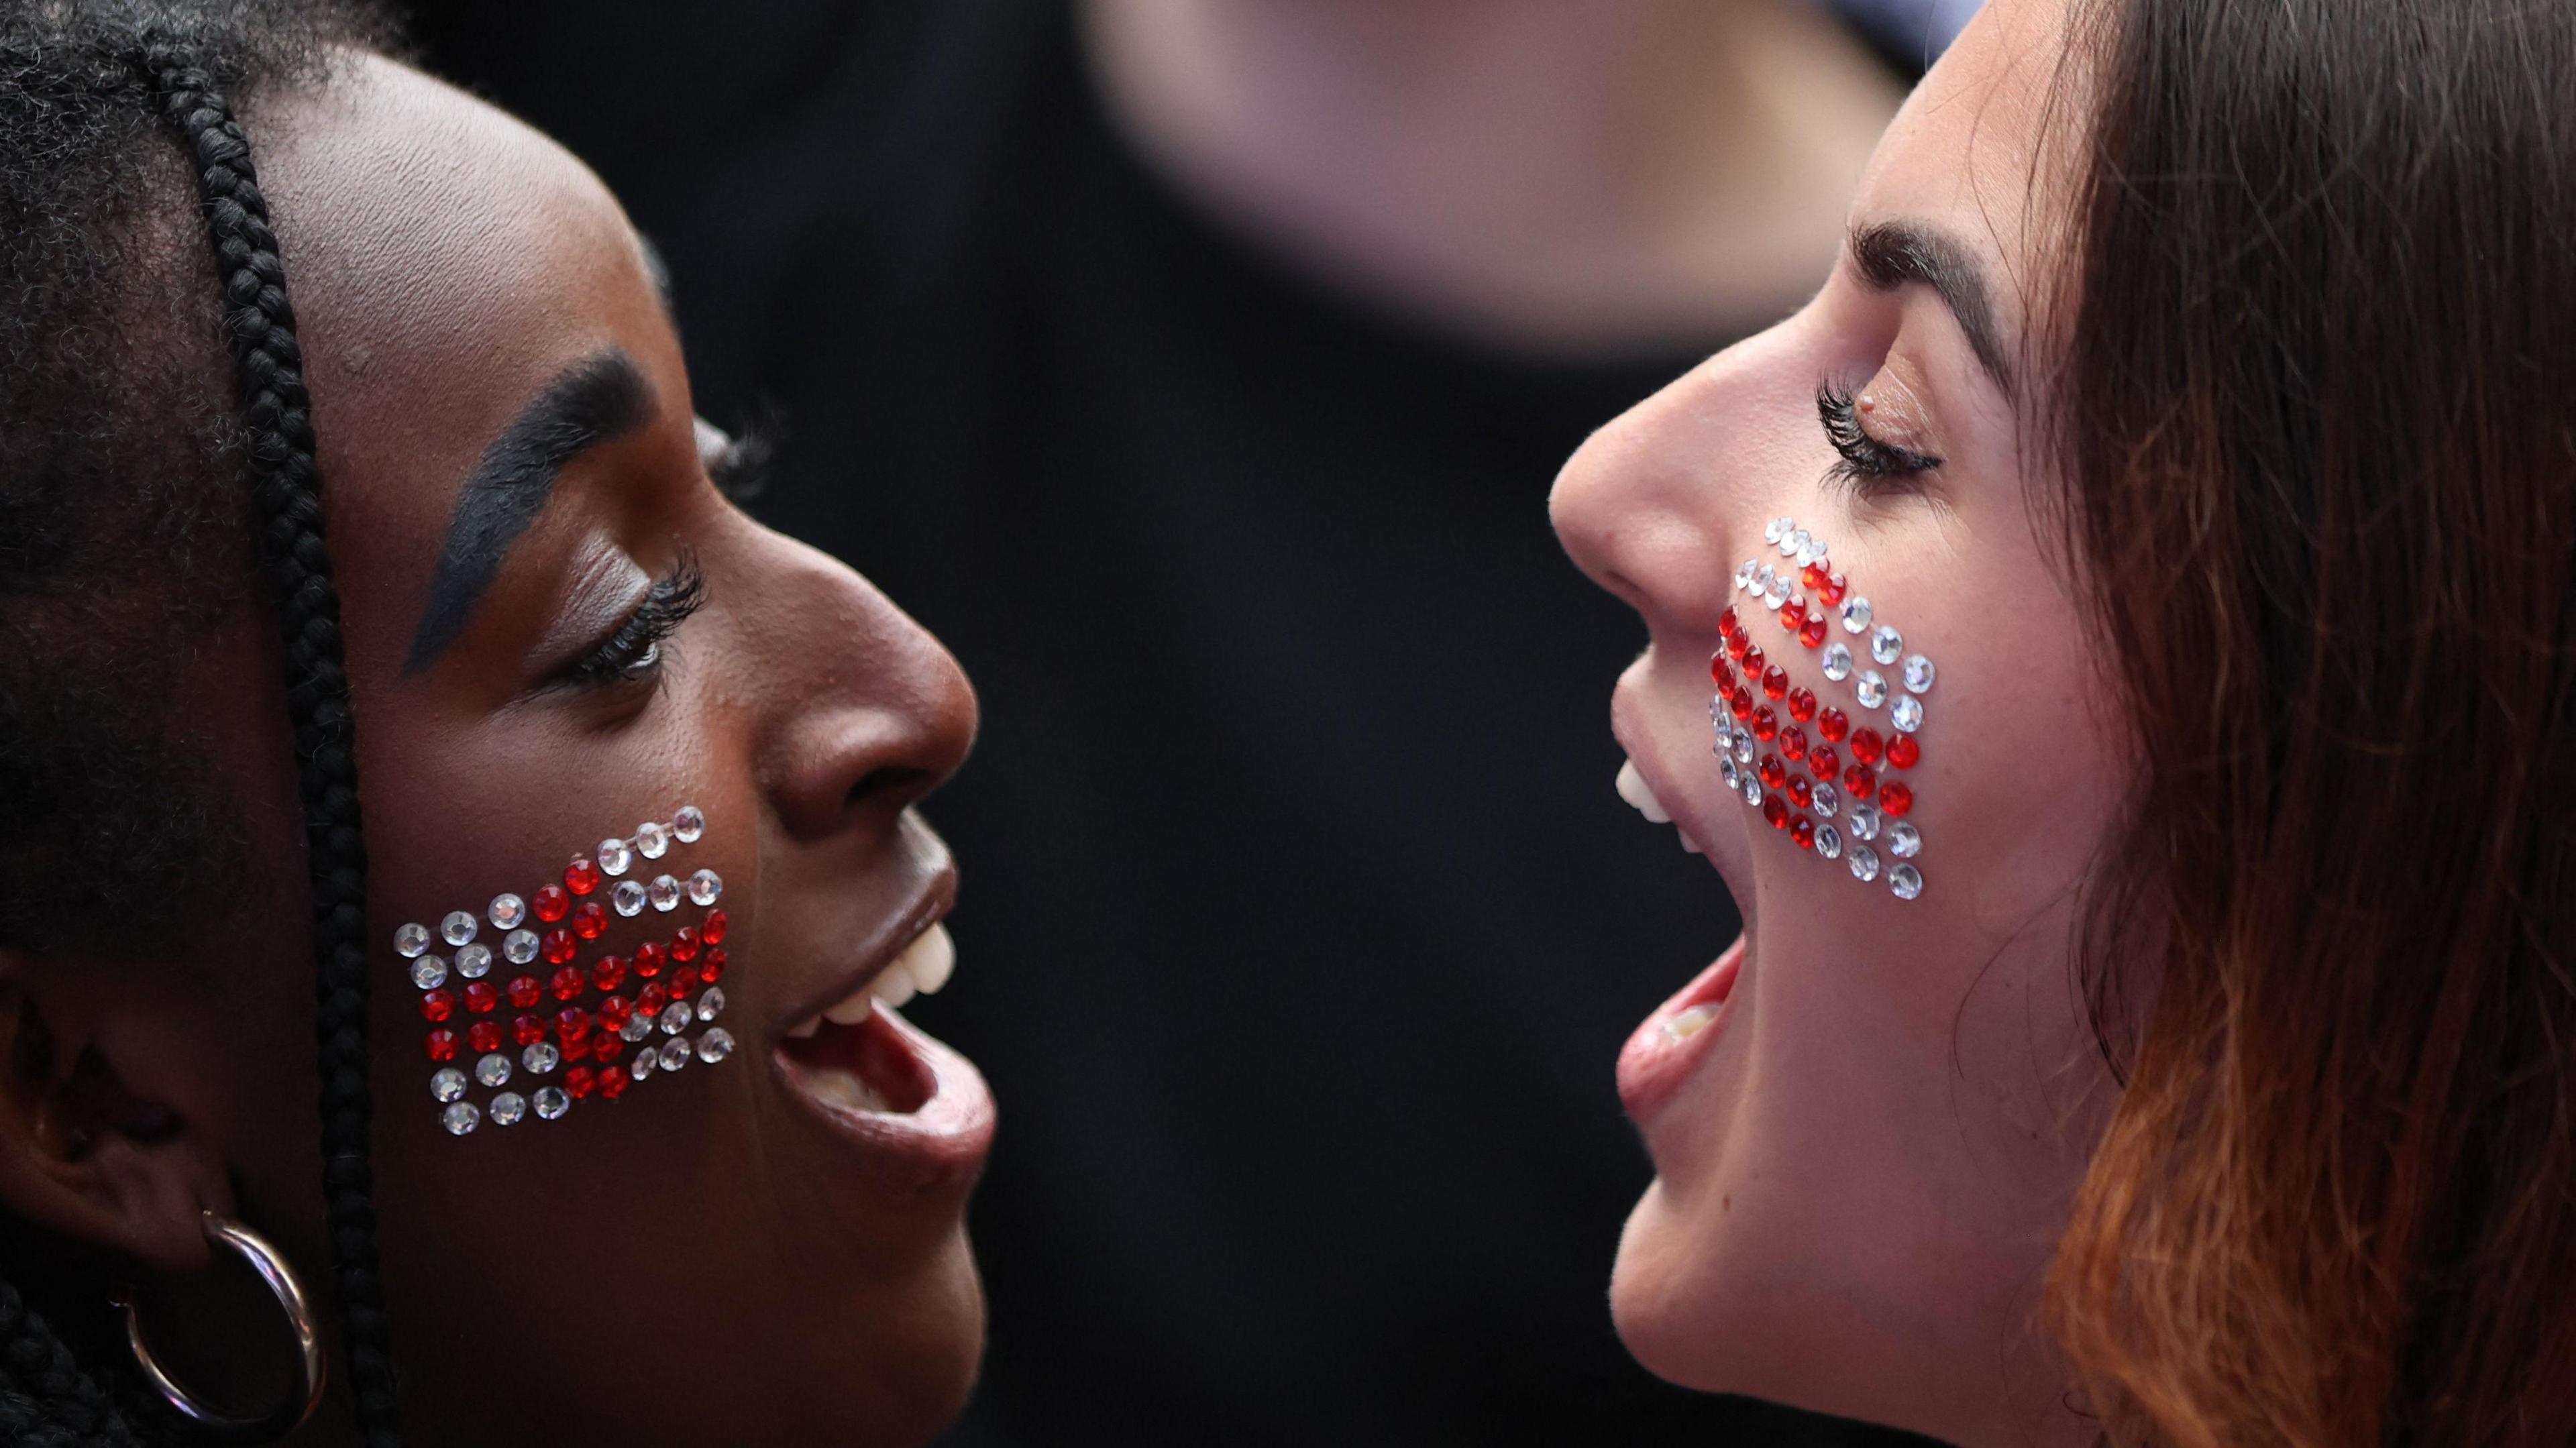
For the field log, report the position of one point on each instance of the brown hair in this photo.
(2317, 414)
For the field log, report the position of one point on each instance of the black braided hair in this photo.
(120, 483)
(286, 484)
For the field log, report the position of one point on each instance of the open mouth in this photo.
(852, 1054)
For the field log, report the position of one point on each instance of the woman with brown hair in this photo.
(2144, 742)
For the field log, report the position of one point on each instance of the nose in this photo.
(1640, 507)
(867, 711)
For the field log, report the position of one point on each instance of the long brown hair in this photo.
(2317, 415)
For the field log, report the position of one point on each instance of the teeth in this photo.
(852, 1011)
(931, 959)
(1632, 788)
(894, 985)
(922, 969)
(803, 1029)
(1689, 1023)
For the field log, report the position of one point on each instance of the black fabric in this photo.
(1301, 924)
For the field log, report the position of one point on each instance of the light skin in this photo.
(718, 1257)
(1864, 1163)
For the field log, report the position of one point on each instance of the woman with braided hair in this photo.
(314, 368)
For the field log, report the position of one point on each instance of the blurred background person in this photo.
(1198, 369)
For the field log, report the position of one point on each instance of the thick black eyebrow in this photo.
(1891, 253)
(598, 399)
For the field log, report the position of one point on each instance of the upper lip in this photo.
(892, 932)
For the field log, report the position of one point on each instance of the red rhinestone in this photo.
(441, 1044)
(550, 903)
(484, 1037)
(1801, 792)
(1802, 704)
(1859, 780)
(1793, 743)
(648, 960)
(559, 946)
(1802, 833)
(1896, 799)
(712, 968)
(577, 1048)
(581, 876)
(1902, 752)
(1765, 723)
(1865, 745)
(571, 1024)
(1737, 641)
(1776, 810)
(589, 919)
(684, 980)
(1813, 575)
(615, 1011)
(608, 973)
(569, 982)
(1773, 771)
(1719, 672)
(1793, 613)
(612, 1084)
(1821, 759)
(1775, 682)
(438, 1005)
(605, 1048)
(1833, 724)
(525, 992)
(1830, 592)
(1726, 618)
(581, 1081)
(480, 997)
(651, 999)
(527, 1030)
(1812, 632)
(1753, 659)
(684, 943)
(1741, 703)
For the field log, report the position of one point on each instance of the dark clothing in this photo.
(1301, 924)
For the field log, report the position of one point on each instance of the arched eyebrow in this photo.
(1889, 254)
(596, 400)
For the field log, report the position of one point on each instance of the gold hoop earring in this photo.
(265, 1260)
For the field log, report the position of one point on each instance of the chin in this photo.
(935, 1350)
(1683, 1321)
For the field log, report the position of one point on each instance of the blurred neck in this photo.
(1560, 177)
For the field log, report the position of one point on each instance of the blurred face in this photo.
(1868, 1115)
(764, 1245)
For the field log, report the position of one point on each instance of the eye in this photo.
(635, 650)
(1868, 466)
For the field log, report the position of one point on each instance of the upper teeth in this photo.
(1632, 788)
(923, 968)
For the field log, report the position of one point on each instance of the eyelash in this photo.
(635, 650)
(741, 471)
(1868, 466)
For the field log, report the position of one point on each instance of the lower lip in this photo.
(940, 1143)
(1657, 1060)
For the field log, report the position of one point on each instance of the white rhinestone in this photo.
(410, 941)
(508, 1107)
(1813, 552)
(1775, 530)
(460, 1118)
(1838, 662)
(1918, 675)
(715, 1045)
(1907, 716)
(643, 1065)
(1864, 863)
(687, 824)
(1903, 840)
(474, 962)
(458, 927)
(492, 1070)
(711, 1004)
(1764, 577)
(519, 946)
(1864, 820)
(637, 1027)
(675, 1054)
(704, 887)
(676, 1017)
(1870, 688)
(1778, 593)
(1726, 769)
(613, 856)
(429, 972)
(1855, 614)
(448, 1084)
(1796, 540)
(1744, 575)
(627, 898)
(1751, 786)
(664, 892)
(1743, 747)
(1829, 842)
(1827, 800)
(540, 1057)
(1906, 881)
(1886, 644)
(552, 1102)
(651, 840)
(506, 911)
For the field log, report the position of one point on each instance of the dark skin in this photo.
(708, 1259)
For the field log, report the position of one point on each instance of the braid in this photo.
(259, 324)
(46, 1401)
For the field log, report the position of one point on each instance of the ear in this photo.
(81, 1154)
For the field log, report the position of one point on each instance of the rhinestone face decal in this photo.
(1834, 785)
(559, 1030)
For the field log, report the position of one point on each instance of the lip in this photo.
(1653, 1065)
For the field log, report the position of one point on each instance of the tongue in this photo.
(867, 1066)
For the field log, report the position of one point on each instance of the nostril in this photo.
(895, 785)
